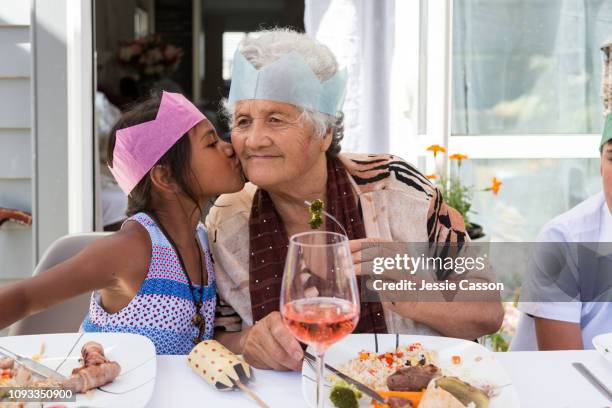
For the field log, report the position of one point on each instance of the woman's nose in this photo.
(257, 136)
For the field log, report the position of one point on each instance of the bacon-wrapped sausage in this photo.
(95, 371)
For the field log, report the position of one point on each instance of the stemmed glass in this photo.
(319, 299)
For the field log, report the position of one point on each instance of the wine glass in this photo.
(319, 299)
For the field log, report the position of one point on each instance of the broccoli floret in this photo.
(344, 395)
(315, 214)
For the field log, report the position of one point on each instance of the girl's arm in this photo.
(105, 263)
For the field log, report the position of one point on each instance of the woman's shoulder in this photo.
(378, 172)
(234, 207)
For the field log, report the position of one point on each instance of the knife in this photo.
(32, 365)
(593, 380)
(361, 387)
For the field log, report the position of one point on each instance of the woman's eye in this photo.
(276, 120)
(242, 122)
(213, 144)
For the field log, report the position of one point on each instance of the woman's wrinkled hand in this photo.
(268, 344)
(363, 254)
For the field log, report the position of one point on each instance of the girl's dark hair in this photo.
(337, 136)
(177, 159)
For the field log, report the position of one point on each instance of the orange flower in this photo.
(496, 185)
(436, 149)
(431, 177)
(458, 156)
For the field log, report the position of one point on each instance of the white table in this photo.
(542, 379)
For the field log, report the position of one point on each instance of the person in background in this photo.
(571, 324)
(114, 202)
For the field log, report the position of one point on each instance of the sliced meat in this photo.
(6, 363)
(396, 402)
(412, 378)
(22, 376)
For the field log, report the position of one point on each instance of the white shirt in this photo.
(589, 221)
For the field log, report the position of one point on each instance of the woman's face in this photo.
(274, 146)
(214, 164)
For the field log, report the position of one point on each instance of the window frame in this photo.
(436, 24)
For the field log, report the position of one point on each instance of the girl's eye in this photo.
(213, 144)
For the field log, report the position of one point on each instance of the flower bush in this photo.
(454, 191)
(149, 57)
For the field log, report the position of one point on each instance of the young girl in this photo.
(155, 276)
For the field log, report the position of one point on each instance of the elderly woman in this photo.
(284, 106)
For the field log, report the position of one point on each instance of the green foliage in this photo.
(457, 196)
(497, 341)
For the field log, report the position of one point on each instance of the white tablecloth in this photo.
(541, 379)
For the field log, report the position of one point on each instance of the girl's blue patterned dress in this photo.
(163, 307)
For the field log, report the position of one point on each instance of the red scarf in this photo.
(268, 246)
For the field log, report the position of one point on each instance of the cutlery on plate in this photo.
(593, 380)
(361, 387)
(33, 366)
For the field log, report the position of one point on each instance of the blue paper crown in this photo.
(288, 79)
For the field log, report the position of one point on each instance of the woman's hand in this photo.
(363, 254)
(454, 316)
(269, 344)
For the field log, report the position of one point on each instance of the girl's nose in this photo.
(227, 148)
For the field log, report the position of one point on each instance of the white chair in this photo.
(65, 317)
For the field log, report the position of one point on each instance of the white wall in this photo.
(16, 159)
(46, 126)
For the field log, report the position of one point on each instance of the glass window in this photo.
(230, 42)
(533, 192)
(528, 66)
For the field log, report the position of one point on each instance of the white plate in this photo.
(136, 355)
(478, 365)
(603, 344)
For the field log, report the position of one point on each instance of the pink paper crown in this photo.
(139, 147)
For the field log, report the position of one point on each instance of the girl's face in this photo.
(216, 169)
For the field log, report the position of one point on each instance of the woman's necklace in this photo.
(197, 320)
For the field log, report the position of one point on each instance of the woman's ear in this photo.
(162, 179)
(327, 139)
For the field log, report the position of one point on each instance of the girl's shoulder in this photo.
(128, 249)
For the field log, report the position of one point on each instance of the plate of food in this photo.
(603, 344)
(101, 369)
(413, 371)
